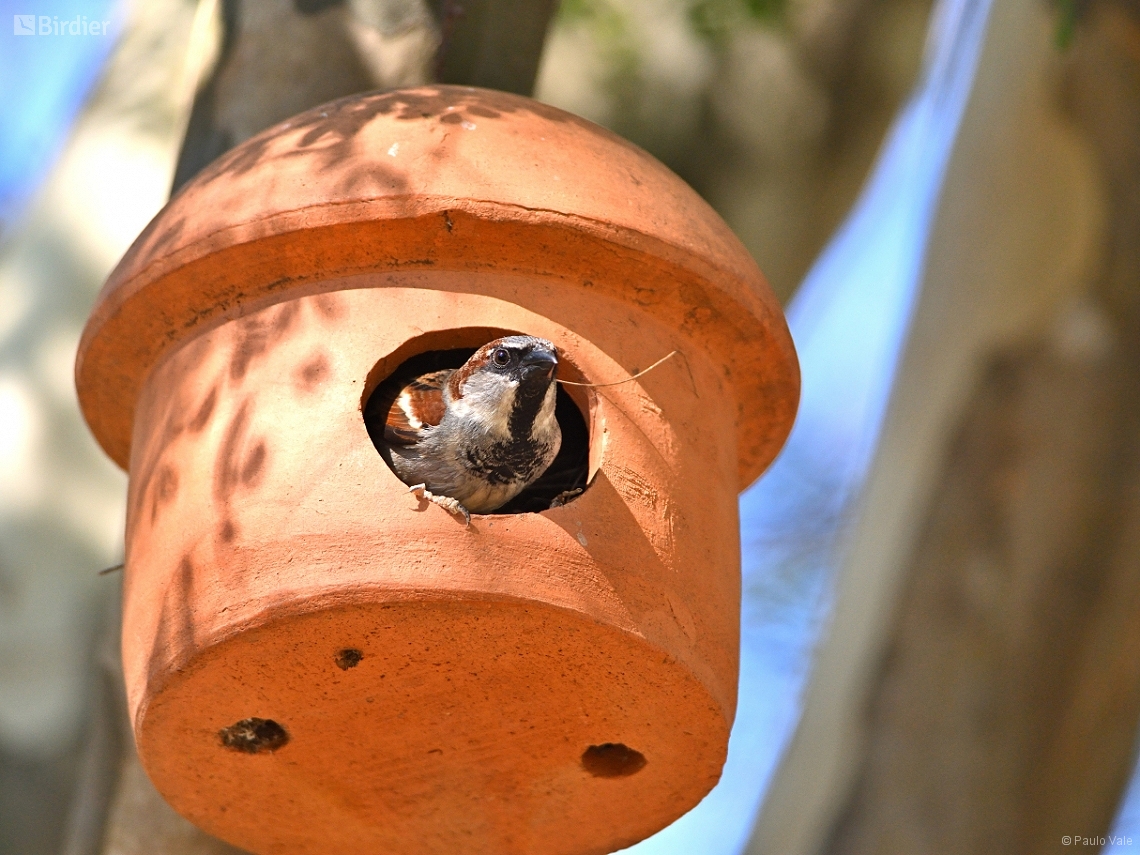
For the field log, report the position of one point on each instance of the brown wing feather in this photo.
(418, 405)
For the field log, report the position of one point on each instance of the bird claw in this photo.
(452, 506)
(564, 497)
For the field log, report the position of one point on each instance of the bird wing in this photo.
(418, 406)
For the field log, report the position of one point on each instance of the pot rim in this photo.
(201, 263)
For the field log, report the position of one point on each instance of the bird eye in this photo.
(501, 357)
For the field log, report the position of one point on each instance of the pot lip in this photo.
(182, 278)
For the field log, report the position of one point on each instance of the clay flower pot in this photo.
(317, 662)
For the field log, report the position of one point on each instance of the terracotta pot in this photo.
(316, 662)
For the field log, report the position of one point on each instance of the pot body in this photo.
(558, 682)
(316, 661)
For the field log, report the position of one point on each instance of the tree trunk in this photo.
(1006, 709)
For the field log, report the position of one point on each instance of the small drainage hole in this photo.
(612, 760)
(348, 658)
(254, 735)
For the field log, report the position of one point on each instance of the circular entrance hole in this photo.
(253, 736)
(612, 760)
(569, 470)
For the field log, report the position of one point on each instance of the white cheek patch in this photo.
(487, 400)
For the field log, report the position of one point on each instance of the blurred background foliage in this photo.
(771, 109)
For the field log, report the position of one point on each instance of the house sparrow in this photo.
(470, 439)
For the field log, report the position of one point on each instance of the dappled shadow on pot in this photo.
(337, 122)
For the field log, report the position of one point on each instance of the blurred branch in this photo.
(278, 58)
(1007, 702)
(495, 44)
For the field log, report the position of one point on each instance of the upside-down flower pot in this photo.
(318, 662)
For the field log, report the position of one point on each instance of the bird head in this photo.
(509, 382)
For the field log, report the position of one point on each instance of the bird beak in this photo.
(540, 361)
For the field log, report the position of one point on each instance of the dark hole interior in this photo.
(612, 760)
(254, 735)
(348, 658)
(570, 468)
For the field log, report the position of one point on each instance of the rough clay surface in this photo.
(266, 536)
